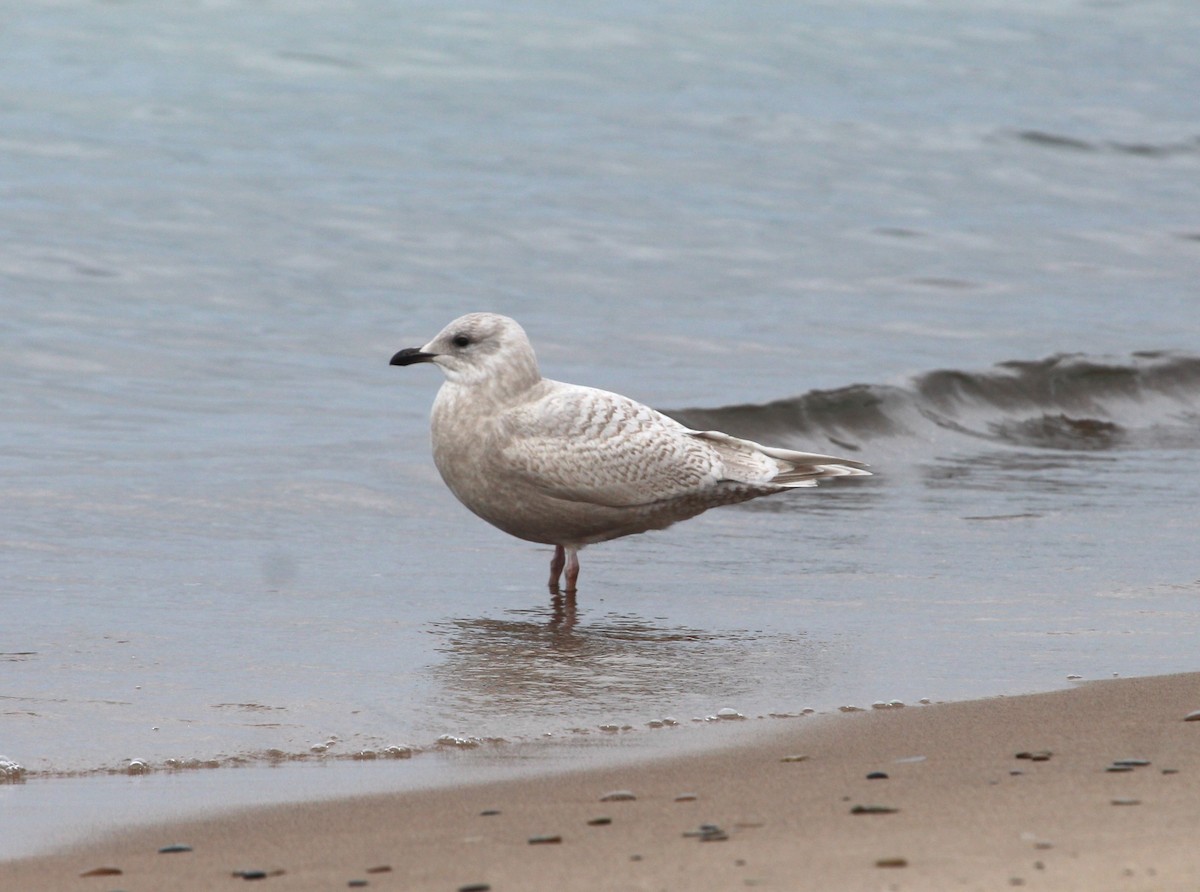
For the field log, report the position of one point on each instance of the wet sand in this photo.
(794, 809)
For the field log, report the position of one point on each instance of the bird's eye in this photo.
(461, 341)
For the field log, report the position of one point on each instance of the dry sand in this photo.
(968, 814)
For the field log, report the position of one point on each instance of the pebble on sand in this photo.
(1192, 716)
(892, 862)
(102, 872)
(550, 839)
(708, 833)
(877, 775)
(174, 849)
(873, 810)
(1124, 801)
(1035, 755)
(381, 868)
(475, 887)
(599, 822)
(686, 797)
(618, 796)
(798, 757)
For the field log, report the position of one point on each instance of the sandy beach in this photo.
(1090, 788)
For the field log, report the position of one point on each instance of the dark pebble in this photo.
(357, 884)
(618, 796)
(102, 872)
(1170, 771)
(686, 797)
(1118, 768)
(475, 887)
(544, 840)
(173, 849)
(1131, 763)
(382, 868)
(708, 833)
(251, 874)
(877, 775)
(1036, 755)
(599, 822)
(892, 862)
(490, 812)
(873, 810)
(1126, 802)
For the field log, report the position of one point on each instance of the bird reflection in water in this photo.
(557, 657)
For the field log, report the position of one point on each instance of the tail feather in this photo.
(792, 468)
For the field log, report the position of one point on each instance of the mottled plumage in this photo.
(567, 465)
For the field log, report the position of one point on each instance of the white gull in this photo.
(568, 466)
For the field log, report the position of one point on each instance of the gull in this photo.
(569, 466)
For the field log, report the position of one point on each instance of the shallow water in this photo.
(962, 246)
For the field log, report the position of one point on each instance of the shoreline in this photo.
(967, 813)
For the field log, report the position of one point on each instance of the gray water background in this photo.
(222, 539)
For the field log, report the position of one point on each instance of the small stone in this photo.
(1131, 763)
(877, 775)
(1170, 771)
(873, 810)
(475, 887)
(489, 812)
(357, 884)
(1192, 716)
(251, 874)
(686, 797)
(1035, 755)
(173, 849)
(1124, 801)
(599, 822)
(102, 872)
(382, 868)
(708, 833)
(618, 796)
(795, 758)
(545, 840)
(1114, 768)
(892, 862)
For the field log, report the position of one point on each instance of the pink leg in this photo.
(572, 569)
(556, 567)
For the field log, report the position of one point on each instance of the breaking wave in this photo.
(1066, 401)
